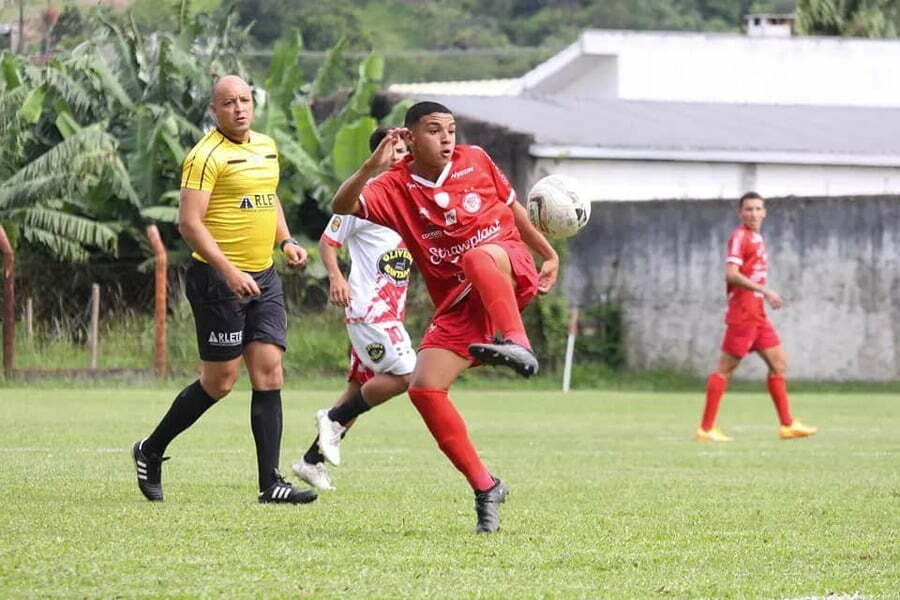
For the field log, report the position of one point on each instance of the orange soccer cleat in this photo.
(711, 435)
(796, 430)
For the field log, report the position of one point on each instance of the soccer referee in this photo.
(231, 218)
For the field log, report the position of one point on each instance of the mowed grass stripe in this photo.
(609, 498)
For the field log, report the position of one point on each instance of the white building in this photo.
(659, 115)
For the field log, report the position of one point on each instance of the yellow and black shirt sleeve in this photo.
(242, 179)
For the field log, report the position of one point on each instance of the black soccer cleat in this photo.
(507, 354)
(487, 507)
(282, 492)
(149, 472)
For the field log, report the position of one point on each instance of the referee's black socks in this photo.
(188, 406)
(266, 424)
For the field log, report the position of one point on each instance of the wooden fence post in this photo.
(9, 302)
(29, 317)
(159, 305)
(94, 334)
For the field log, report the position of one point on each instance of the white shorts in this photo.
(383, 347)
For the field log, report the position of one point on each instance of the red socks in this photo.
(449, 430)
(497, 295)
(715, 387)
(778, 390)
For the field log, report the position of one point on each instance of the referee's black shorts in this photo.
(226, 323)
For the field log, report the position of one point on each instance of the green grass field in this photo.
(609, 498)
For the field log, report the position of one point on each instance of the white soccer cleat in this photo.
(315, 475)
(329, 437)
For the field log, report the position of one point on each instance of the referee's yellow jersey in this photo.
(242, 179)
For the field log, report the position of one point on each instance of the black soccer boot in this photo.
(487, 507)
(149, 472)
(508, 354)
(282, 492)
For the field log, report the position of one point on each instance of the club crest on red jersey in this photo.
(471, 202)
(442, 199)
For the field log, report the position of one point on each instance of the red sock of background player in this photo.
(449, 431)
(778, 390)
(715, 387)
(497, 295)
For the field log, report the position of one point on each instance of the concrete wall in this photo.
(834, 261)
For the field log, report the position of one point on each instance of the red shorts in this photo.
(467, 321)
(358, 372)
(742, 339)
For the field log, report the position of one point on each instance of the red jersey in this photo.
(747, 250)
(468, 205)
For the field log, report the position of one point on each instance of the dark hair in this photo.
(420, 109)
(376, 137)
(749, 196)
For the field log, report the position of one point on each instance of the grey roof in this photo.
(638, 125)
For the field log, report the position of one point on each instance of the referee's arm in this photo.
(191, 211)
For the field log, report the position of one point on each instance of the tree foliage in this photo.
(853, 18)
(93, 140)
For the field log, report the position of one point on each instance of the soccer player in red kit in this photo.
(748, 329)
(470, 239)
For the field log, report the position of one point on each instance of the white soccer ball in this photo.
(557, 206)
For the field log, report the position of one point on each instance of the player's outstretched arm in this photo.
(339, 290)
(734, 276)
(346, 200)
(191, 210)
(537, 242)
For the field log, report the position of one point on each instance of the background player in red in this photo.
(748, 329)
(469, 238)
(374, 299)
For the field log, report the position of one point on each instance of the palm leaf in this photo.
(285, 75)
(395, 117)
(79, 230)
(351, 146)
(74, 94)
(33, 105)
(329, 75)
(60, 247)
(127, 52)
(163, 214)
(305, 127)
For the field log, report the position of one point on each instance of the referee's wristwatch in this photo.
(289, 240)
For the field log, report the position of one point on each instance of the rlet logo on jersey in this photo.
(257, 201)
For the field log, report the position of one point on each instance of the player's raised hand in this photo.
(339, 294)
(242, 284)
(383, 156)
(548, 274)
(295, 254)
(773, 299)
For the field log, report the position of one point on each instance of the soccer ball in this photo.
(557, 206)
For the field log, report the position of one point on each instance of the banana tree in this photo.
(317, 157)
(57, 176)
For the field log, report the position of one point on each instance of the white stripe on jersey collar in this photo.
(433, 184)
